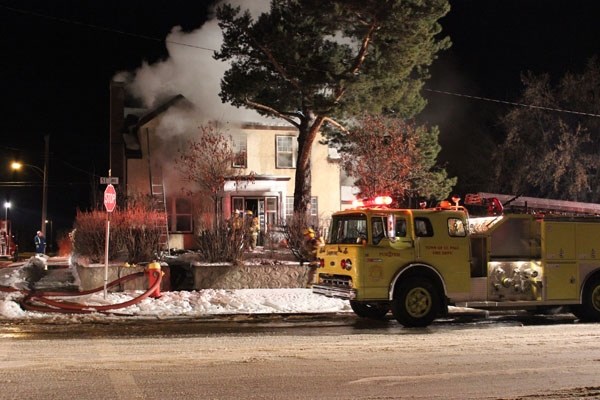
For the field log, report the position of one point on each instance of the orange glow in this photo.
(358, 203)
(377, 201)
(383, 200)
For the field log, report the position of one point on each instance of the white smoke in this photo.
(192, 72)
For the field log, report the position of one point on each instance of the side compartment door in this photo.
(562, 281)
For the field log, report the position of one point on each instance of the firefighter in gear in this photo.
(254, 231)
(237, 221)
(312, 242)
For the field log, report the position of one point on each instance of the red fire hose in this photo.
(60, 306)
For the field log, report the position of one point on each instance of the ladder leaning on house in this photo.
(159, 202)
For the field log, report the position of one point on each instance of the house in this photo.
(142, 156)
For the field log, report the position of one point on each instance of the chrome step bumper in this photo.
(333, 291)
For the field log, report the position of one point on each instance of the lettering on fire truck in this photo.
(416, 262)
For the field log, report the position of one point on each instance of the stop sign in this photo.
(110, 198)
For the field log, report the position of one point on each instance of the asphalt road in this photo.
(301, 357)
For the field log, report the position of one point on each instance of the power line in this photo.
(102, 28)
(512, 103)
(145, 37)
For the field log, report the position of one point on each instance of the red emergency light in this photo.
(377, 201)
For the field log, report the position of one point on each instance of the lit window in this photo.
(286, 151)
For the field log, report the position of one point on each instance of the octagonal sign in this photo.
(110, 198)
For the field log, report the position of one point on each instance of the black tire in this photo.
(589, 310)
(370, 310)
(416, 302)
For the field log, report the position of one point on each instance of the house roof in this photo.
(161, 109)
(137, 119)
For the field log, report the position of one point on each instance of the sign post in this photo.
(110, 202)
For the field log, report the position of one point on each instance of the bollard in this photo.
(154, 274)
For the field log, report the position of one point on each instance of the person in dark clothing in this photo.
(40, 243)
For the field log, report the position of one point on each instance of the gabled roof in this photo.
(130, 134)
(161, 109)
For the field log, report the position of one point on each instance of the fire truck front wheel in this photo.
(416, 302)
(589, 310)
(370, 310)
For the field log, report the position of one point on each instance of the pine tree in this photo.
(314, 63)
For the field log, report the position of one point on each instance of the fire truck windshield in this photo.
(348, 228)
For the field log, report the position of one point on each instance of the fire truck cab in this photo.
(417, 262)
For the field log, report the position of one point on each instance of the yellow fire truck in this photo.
(417, 262)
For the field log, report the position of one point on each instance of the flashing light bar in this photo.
(377, 201)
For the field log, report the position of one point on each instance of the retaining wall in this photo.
(92, 277)
(211, 276)
(251, 276)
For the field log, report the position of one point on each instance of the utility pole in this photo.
(45, 185)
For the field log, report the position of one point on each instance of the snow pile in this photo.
(182, 303)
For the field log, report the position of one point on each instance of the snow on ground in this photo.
(172, 304)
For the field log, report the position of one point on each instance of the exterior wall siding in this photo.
(272, 182)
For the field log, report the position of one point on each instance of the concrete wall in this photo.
(211, 276)
(92, 277)
(250, 276)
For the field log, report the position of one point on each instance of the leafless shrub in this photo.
(225, 242)
(136, 229)
(89, 236)
(293, 231)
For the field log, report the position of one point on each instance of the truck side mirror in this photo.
(391, 227)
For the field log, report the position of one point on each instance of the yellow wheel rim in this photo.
(418, 302)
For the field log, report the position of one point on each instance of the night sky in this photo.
(59, 56)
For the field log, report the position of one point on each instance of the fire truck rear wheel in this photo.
(370, 310)
(589, 310)
(416, 302)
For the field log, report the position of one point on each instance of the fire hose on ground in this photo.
(32, 296)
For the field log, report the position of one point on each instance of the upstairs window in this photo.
(285, 152)
(239, 146)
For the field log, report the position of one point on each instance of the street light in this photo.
(17, 166)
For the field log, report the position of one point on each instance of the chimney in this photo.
(117, 162)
